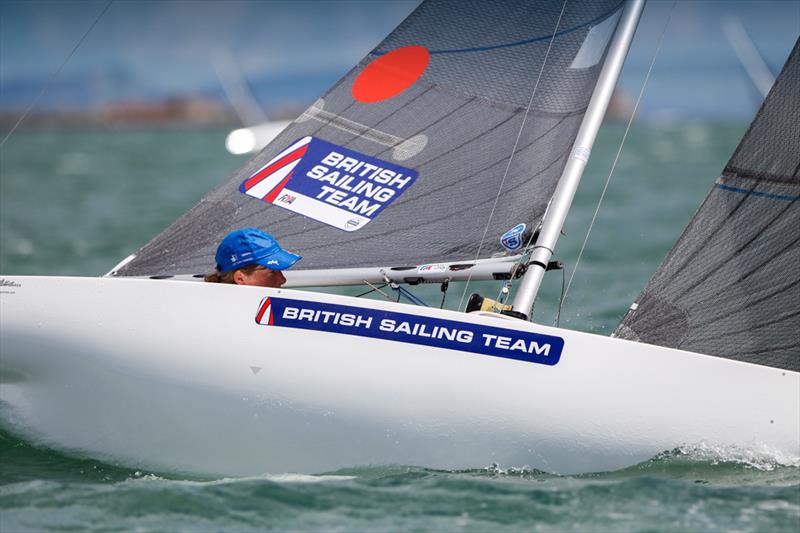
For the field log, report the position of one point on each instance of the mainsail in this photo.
(478, 101)
(731, 285)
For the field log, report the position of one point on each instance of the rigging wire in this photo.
(616, 158)
(373, 289)
(53, 77)
(557, 321)
(514, 149)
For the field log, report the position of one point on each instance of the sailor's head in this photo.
(253, 257)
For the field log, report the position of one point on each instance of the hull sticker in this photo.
(7, 286)
(412, 329)
(329, 183)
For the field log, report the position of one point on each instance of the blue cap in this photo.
(252, 246)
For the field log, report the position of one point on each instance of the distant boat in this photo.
(461, 124)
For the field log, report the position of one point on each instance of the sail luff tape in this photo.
(402, 149)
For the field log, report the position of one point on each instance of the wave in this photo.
(721, 465)
(703, 462)
(689, 488)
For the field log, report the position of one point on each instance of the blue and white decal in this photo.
(413, 329)
(329, 183)
(512, 239)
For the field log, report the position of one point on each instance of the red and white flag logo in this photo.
(270, 180)
(264, 315)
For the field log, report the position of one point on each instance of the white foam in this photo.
(756, 455)
(275, 478)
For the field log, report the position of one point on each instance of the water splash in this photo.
(757, 455)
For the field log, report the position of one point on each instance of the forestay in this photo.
(731, 285)
(438, 105)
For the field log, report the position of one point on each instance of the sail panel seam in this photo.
(751, 327)
(750, 303)
(487, 48)
(749, 174)
(736, 252)
(771, 196)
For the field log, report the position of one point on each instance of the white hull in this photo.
(178, 376)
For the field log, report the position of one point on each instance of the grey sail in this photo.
(455, 127)
(731, 285)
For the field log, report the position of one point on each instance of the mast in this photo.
(561, 201)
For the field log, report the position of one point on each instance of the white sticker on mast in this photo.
(581, 153)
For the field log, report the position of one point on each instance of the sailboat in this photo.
(464, 122)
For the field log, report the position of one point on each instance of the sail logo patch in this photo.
(512, 239)
(413, 329)
(432, 268)
(329, 183)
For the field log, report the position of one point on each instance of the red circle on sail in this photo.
(391, 74)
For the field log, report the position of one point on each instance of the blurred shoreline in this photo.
(177, 111)
(187, 111)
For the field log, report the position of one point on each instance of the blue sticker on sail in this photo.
(329, 183)
(413, 329)
(512, 239)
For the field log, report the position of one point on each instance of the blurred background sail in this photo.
(257, 130)
(752, 61)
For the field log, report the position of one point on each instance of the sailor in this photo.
(251, 257)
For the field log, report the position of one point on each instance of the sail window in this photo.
(594, 45)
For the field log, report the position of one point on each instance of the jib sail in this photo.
(731, 285)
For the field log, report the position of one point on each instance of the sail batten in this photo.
(731, 284)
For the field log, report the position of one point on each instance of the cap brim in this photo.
(280, 260)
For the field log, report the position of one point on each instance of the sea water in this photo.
(75, 202)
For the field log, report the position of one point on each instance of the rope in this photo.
(513, 150)
(408, 294)
(616, 158)
(55, 74)
(443, 287)
(373, 289)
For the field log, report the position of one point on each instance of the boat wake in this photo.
(758, 456)
(705, 487)
(702, 462)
